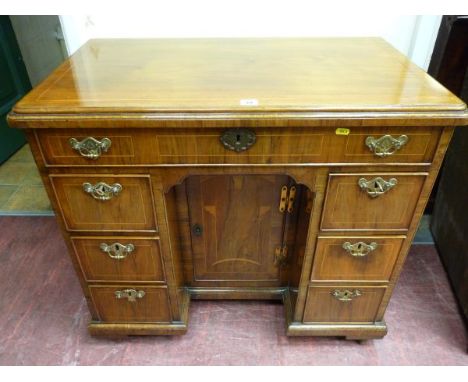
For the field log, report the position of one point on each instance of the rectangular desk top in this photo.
(301, 74)
(139, 82)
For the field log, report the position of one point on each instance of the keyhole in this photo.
(197, 229)
(238, 137)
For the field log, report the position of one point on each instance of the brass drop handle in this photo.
(359, 249)
(90, 147)
(386, 145)
(102, 191)
(130, 294)
(117, 250)
(377, 186)
(346, 295)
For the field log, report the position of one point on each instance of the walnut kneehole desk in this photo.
(292, 169)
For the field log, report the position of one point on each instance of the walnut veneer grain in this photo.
(206, 221)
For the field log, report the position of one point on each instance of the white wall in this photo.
(414, 36)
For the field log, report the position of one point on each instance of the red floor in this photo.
(43, 318)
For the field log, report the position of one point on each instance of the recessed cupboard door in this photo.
(236, 228)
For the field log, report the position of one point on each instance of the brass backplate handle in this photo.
(359, 249)
(117, 250)
(90, 147)
(130, 294)
(385, 145)
(346, 295)
(377, 186)
(101, 190)
(237, 139)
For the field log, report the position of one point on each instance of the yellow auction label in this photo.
(342, 131)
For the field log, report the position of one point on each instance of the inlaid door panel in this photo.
(236, 227)
(371, 201)
(105, 202)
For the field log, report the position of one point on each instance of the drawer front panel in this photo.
(125, 147)
(351, 303)
(149, 304)
(129, 209)
(119, 259)
(101, 147)
(350, 205)
(370, 145)
(370, 258)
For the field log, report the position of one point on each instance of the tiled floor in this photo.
(21, 188)
(43, 318)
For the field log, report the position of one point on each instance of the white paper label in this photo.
(249, 102)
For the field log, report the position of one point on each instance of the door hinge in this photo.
(287, 199)
(281, 256)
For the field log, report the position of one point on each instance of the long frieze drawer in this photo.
(105, 203)
(116, 258)
(339, 303)
(100, 147)
(371, 201)
(136, 303)
(369, 258)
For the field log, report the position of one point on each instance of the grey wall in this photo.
(41, 44)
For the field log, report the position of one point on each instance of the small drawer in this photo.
(97, 147)
(376, 201)
(243, 145)
(370, 258)
(119, 259)
(390, 145)
(105, 203)
(136, 303)
(343, 303)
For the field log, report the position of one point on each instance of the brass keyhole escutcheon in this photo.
(237, 139)
(197, 229)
